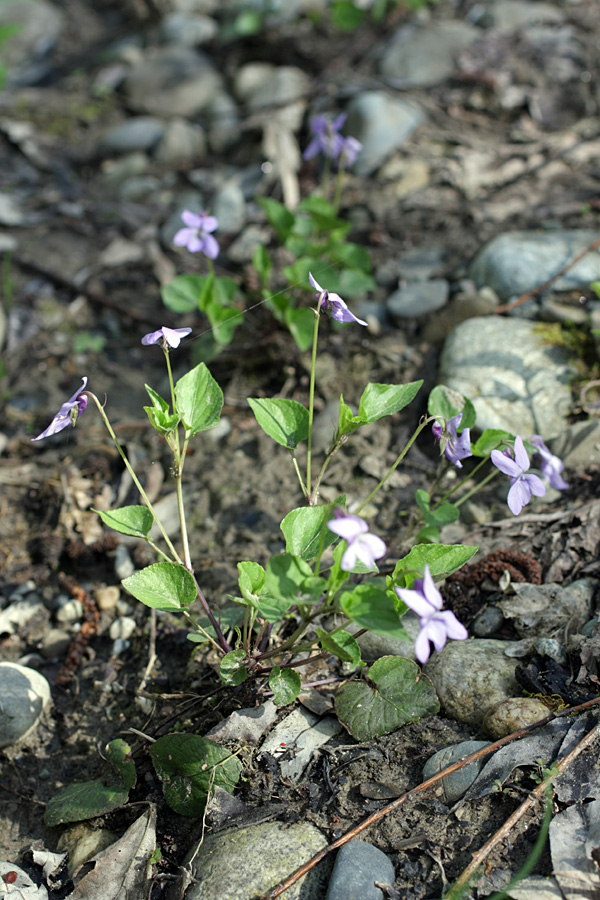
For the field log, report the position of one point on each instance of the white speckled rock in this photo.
(24, 694)
(512, 715)
(514, 379)
(241, 863)
(470, 677)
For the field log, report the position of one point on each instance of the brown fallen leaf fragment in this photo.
(123, 870)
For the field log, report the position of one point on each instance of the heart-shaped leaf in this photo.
(396, 693)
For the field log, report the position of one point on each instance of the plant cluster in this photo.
(315, 598)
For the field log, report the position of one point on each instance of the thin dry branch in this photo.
(421, 788)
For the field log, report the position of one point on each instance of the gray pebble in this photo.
(488, 622)
(137, 133)
(357, 867)
(457, 783)
(25, 694)
(419, 298)
(123, 564)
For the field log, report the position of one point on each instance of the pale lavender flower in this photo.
(453, 447)
(67, 414)
(361, 545)
(350, 151)
(549, 465)
(437, 625)
(522, 486)
(171, 337)
(327, 138)
(333, 304)
(197, 237)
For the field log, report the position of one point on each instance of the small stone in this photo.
(182, 144)
(230, 208)
(547, 646)
(470, 677)
(123, 563)
(512, 715)
(122, 628)
(70, 612)
(19, 613)
(242, 249)
(24, 694)
(358, 866)
(382, 124)
(418, 299)
(188, 29)
(137, 133)
(457, 783)
(425, 55)
(488, 622)
(421, 263)
(55, 643)
(107, 597)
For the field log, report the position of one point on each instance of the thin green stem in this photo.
(298, 473)
(393, 468)
(339, 183)
(311, 407)
(136, 480)
(458, 486)
(477, 487)
(179, 460)
(200, 629)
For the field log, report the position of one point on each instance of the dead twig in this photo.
(503, 832)
(420, 789)
(508, 307)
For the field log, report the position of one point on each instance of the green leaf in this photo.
(223, 323)
(354, 282)
(286, 421)
(323, 215)
(442, 559)
(352, 256)
(491, 440)
(285, 684)
(251, 579)
(280, 219)
(228, 618)
(224, 291)
(262, 263)
(190, 767)
(348, 423)
(206, 295)
(301, 325)
(396, 693)
(372, 608)
(379, 400)
(182, 295)
(446, 402)
(199, 400)
(164, 585)
(135, 521)
(345, 16)
(429, 535)
(444, 514)
(232, 669)
(285, 577)
(95, 798)
(340, 644)
(305, 529)
(297, 274)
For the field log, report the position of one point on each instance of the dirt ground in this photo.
(239, 486)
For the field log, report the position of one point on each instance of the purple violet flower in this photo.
(437, 625)
(333, 304)
(452, 446)
(549, 465)
(197, 237)
(350, 151)
(327, 138)
(522, 486)
(170, 337)
(361, 545)
(67, 414)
